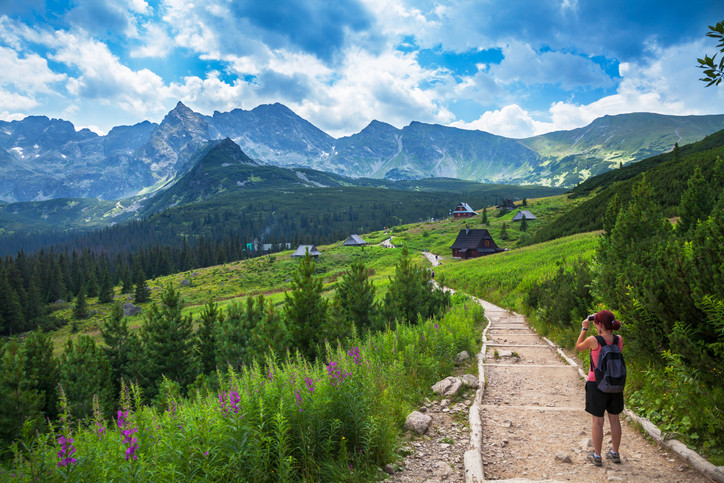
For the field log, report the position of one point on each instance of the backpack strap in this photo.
(601, 342)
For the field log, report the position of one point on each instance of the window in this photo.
(487, 243)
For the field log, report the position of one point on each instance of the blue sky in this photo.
(514, 68)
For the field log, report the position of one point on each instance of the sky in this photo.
(510, 67)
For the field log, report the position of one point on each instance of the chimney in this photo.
(467, 230)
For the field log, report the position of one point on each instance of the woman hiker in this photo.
(597, 401)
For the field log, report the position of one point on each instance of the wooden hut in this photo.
(463, 210)
(303, 249)
(354, 241)
(473, 244)
(524, 214)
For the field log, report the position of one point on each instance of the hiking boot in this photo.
(615, 457)
(595, 459)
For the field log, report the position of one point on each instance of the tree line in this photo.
(167, 350)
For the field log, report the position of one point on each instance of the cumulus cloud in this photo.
(29, 73)
(511, 121)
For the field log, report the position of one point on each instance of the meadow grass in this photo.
(336, 419)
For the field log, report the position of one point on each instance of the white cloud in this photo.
(511, 121)
(29, 74)
(521, 63)
(11, 116)
(157, 42)
(14, 101)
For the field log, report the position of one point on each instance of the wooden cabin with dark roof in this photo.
(463, 210)
(473, 244)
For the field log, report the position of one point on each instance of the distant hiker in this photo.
(598, 401)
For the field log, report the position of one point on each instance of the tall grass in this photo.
(332, 420)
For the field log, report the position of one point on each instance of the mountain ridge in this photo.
(46, 158)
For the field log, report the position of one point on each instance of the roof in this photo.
(302, 250)
(465, 208)
(354, 240)
(524, 214)
(474, 240)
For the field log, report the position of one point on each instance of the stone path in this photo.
(534, 423)
(534, 427)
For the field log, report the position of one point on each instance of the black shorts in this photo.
(598, 401)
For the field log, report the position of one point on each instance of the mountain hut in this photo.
(506, 205)
(463, 210)
(354, 241)
(524, 214)
(473, 244)
(303, 249)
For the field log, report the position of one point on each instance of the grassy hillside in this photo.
(667, 174)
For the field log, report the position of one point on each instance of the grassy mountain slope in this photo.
(668, 177)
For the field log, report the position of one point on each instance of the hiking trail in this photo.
(534, 426)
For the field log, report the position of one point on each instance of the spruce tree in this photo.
(524, 224)
(504, 232)
(115, 336)
(485, 220)
(126, 280)
(80, 308)
(41, 368)
(142, 293)
(306, 310)
(271, 333)
(12, 320)
(206, 336)
(85, 372)
(105, 293)
(169, 342)
(19, 400)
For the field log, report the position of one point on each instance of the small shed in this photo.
(463, 210)
(354, 241)
(303, 249)
(473, 244)
(524, 214)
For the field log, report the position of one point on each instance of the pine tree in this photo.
(91, 284)
(524, 224)
(696, 202)
(169, 342)
(525, 201)
(485, 220)
(85, 372)
(305, 311)
(411, 293)
(354, 299)
(80, 308)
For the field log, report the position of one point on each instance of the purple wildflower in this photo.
(229, 402)
(128, 438)
(298, 396)
(336, 375)
(66, 451)
(354, 352)
(310, 384)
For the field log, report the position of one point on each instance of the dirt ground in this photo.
(534, 424)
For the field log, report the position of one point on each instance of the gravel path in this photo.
(534, 426)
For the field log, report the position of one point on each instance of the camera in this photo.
(590, 317)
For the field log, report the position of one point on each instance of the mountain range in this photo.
(42, 158)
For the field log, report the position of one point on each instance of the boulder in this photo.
(448, 386)
(418, 422)
(185, 282)
(129, 309)
(462, 357)
(469, 380)
(389, 469)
